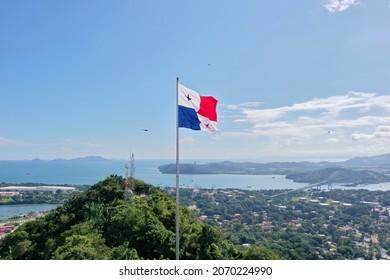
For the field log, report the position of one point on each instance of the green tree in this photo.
(124, 252)
(83, 247)
(259, 253)
(82, 242)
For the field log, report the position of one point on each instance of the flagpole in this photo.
(177, 173)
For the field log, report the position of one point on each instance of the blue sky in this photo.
(295, 80)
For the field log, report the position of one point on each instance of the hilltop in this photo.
(104, 223)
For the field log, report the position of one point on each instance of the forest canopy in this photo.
(105, 223)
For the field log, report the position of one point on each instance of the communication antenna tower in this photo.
(127, 174)
(132, 170)
(129, 188)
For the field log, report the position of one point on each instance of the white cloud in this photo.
(352, 110)
(84, 144)
(335, 104)
(256, 115)
(331, 106)
(326, 128)
(4, 141)
(333, 140)
(243, 105)
(361, 136)
(381, 133)
(349, 124)
(384, 128)
(340, 5)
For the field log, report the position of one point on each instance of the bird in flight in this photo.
(145, 129)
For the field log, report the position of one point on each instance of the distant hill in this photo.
(283, 168)
(374, 161)
(90, 158)
(84, 159)
(243, 168)
(78, 159)
(340, 175)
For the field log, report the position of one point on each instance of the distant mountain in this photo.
(373, 161)
(340, 175)
(60, 159)
(80, 159)
(84, 159)
(379, 162)
(90, 158)
(243, 168)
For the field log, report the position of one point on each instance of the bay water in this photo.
(9, 211)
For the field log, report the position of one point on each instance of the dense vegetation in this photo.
(242, 168)
(298, 172)
(312, 224)
(340, 175)
(104, 223)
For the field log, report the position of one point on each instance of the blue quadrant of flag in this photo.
(188, 118)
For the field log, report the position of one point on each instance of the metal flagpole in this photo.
(177, 173)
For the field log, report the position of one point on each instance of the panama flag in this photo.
(196, 112)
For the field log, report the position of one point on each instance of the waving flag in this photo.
(196, 112)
